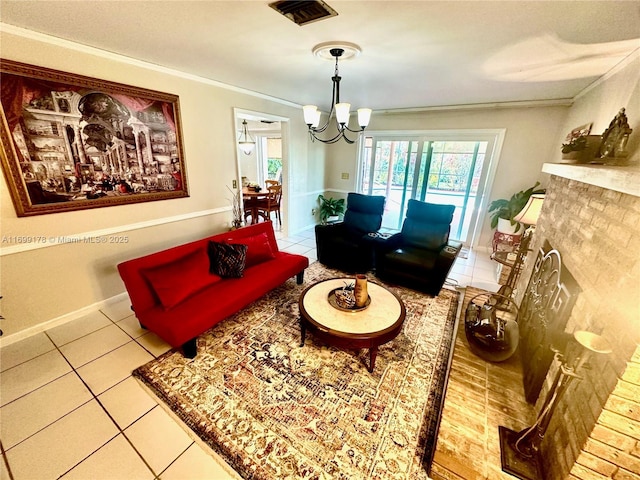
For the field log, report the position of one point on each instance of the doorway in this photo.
(268, 160)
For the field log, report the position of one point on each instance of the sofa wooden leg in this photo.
(190, 348)
(300, 277)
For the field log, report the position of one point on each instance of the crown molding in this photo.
(625, 62)
(561, 102)
(78, 47)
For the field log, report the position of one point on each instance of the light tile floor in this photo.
(69, 407)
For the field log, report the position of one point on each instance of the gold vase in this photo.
(360, 291)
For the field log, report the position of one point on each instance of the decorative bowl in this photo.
(345, 300)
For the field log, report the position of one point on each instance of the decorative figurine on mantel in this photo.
(580, 146)
(615, 138)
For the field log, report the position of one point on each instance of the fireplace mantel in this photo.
(620, 179)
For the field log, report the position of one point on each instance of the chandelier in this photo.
(246, 143)
(339, 110)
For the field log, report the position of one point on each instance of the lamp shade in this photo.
(531, 212)
(309, 112)
(246, 143)
(246, 147)
(342, 113)
(364, 115)
(316, 120)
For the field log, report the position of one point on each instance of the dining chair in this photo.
(250, 209)
(271, 183)
(271, 204)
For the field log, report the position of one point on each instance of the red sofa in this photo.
(174, 294)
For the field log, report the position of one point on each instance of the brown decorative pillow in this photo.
(227, 259)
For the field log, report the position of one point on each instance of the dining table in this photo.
(250, 199)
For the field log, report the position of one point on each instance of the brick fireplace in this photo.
(591, 215)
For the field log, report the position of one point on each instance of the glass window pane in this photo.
(437, 171)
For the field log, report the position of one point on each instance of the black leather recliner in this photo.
(343, 245)
(421, 255)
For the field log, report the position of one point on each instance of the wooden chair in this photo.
(250, 209)
(271, 183)
(271, 204)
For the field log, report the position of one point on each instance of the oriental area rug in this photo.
(275, 410)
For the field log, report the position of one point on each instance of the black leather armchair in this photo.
(342, 245)
(421, 255)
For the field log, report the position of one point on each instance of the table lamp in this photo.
(528, 216)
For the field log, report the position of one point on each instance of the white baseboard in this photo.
(61, 320)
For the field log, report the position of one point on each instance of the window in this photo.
(444, 167)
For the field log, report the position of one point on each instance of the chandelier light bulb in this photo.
(310, 112)
(364, 115)
(342, 113)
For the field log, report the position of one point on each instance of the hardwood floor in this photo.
(480, 396)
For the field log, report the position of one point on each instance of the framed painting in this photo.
(71, 142)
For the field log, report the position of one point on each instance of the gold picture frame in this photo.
(71, 142)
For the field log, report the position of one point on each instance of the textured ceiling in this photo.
(414, 53)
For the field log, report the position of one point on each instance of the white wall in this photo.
(41, 285)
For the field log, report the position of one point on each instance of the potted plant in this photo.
(505, 210)
(330, 207)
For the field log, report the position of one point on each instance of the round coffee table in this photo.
(379, 323)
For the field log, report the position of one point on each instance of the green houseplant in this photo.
(330, 207)
(507, 209)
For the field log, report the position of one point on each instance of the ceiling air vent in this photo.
(305, 11)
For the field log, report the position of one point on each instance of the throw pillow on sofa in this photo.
(227, 259)
(175, 281)
(258, 248)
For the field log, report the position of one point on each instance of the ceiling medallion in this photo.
(349, 50)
